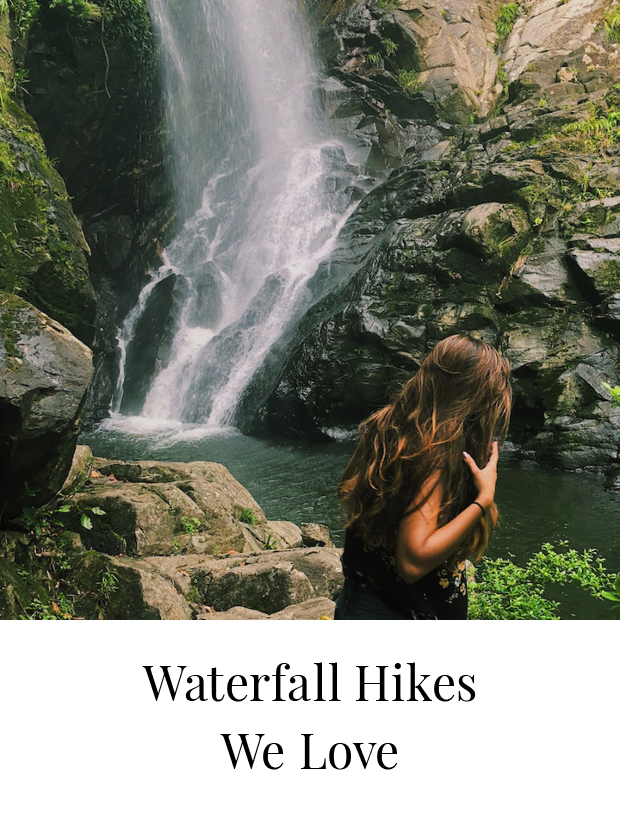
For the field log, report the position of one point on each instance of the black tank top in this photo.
(441, 594)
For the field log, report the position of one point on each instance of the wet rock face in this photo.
(45, 374)
(163, 540)
(508, 230)
(149, 346)
(96, 99)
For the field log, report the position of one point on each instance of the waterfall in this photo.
(262, 191)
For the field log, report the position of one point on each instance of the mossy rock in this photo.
(18, 590)
(598, 273)
(497, 230)
(43, 254)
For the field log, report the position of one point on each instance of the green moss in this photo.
(14, 323)
(607, 276)
(9, 336)
(42, 251)
(537, 195)
(53, 577)
(19, 587)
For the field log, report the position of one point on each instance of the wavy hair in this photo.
(460, 399)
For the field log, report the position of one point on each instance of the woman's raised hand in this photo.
(486, 478)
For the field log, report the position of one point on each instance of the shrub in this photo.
(248, 516)
(504, 590)
(409, 80)
(507, 18)
(611, 25)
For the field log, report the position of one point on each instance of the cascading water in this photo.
(262, 193)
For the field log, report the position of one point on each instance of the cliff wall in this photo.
(500, 216)
(43, 253)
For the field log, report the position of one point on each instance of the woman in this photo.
(419, 490)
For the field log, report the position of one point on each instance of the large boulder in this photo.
(190, 533)
(545, 28)
(45, 373)
(153, 508)
(311, 610)
(446, 52)
(162, 540)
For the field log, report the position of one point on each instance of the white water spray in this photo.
(262, 191)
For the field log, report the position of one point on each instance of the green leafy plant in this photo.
(374, 58)
(85, 516)
(47, 521)
(615, 393)
(23, 13)
(611, 25)
(108, 583)
(390, 46)
(52, 611)
(409, 80)
(600, 130)
(248, 516)
(77, 8)
(505, 590)
(190, 525)
(270, 543)
(614, 595)
(52, 518)
(508, 15)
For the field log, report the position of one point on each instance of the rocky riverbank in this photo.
(84, 537)
(162, 540)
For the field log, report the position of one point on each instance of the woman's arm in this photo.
(422, 546)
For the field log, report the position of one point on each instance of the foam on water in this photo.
(263, 191)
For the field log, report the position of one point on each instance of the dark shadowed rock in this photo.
(45, 374)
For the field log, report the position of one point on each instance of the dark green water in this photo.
(296, 481)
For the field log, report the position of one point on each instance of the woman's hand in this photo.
(486, 478)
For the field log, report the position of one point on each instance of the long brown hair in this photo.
(460, 399)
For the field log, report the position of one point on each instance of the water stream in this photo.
(263, 190)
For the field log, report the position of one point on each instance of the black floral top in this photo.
(441, 594)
